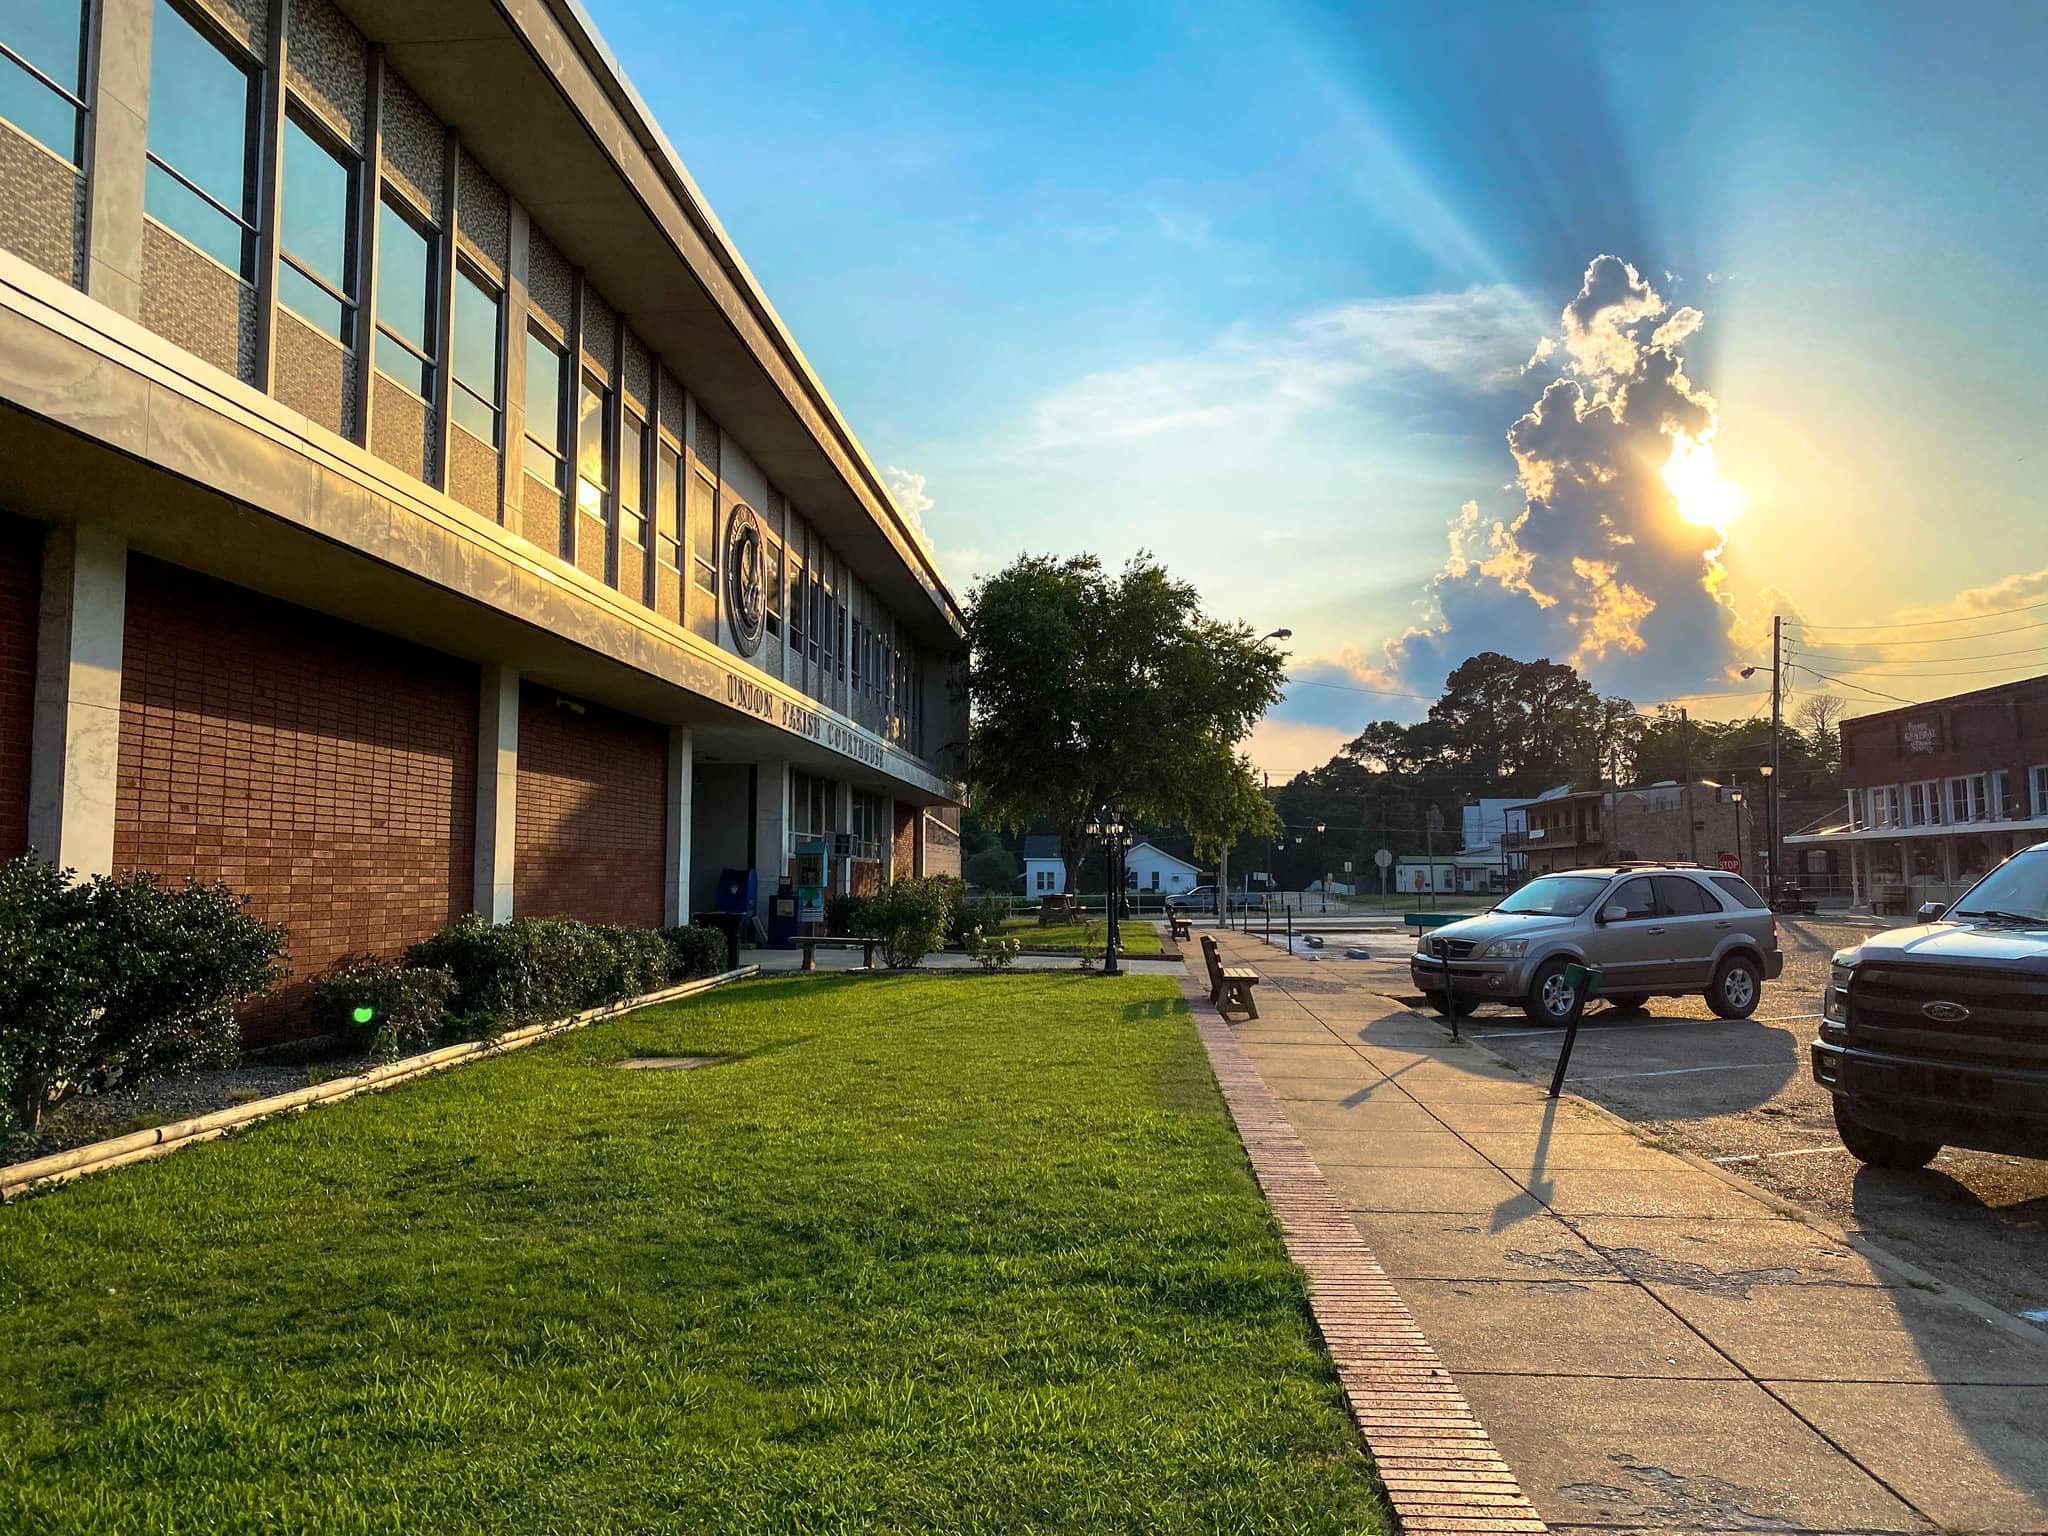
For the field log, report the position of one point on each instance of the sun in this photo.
(1704, 498)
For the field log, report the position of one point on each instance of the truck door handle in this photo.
(1653, 930)
(1724, 925)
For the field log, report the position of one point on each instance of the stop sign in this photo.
(1731, 863)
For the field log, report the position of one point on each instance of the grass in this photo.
(1140, 936)
(954, 1253)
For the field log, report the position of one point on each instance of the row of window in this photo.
(1957, 801)
(203, 185)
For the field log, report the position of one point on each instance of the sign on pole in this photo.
(1731, 863)
(1384, 857)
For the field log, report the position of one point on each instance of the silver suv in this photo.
(1651, 930)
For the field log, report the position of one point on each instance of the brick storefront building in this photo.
(410, 504)
(1609, 826)
(1937, 794)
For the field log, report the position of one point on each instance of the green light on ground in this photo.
(365, 1013)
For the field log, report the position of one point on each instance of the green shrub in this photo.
(993, 950)
(910, 918)
(386, 1010)
(988, 913)
(537, 969)
(845, 915)
(110, 981)
(694, 952)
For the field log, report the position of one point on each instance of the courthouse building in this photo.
(409, 502)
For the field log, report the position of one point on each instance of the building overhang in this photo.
(1828, 838)
(544, 106)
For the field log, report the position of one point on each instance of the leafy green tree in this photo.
(1090, 689)
(990, 868)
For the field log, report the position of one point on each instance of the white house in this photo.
(1450, 874)
(1045, 872)
(1150, 869)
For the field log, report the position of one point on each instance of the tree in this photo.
(1819, 719)
(1091, 690)
(990, 868)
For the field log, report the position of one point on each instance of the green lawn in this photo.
(1140, 936)
(959, 1253)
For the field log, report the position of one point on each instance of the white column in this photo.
(771, 830)
(675, 884)
(76, 739)
(497, 791)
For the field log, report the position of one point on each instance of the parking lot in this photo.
(1739, 1094)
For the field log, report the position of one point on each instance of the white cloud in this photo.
(1258, 381)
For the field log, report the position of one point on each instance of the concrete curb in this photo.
(159, 1141)
(1441, 1470)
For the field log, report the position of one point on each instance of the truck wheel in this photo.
(1880, 1149)
(1552, 999)
(1737, 988)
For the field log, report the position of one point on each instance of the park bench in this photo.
(1230, 986)
(867, 947)
(1178, 926)
(1055, 908)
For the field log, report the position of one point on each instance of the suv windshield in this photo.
(1555, 896)
(2016, 891)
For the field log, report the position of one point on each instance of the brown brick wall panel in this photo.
(590, 540)
(21, 545)
(326, 772)
(591, 816)
(42, 214)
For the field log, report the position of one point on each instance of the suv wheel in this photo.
(1880, 1149)
(1738, 987)
(1552, 999)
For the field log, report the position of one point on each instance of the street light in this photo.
(1325, 865)
(1109, 826)
(1769, 772)
(1735, 799)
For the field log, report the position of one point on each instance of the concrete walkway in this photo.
(1652, 1344)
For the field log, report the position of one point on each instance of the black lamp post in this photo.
(1116, 839)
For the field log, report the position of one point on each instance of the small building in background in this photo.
(1045, 872)
(1150, 868)
(1475, 872)
(1701, 822)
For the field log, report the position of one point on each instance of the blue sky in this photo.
(1253, 288)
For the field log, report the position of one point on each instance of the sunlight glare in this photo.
(1695, 480)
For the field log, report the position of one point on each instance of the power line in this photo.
(2003, 613)
(1879, 671)
(1934, 661)
(1989, 634)
(1844, 682)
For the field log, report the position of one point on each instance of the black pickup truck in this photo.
(1937, 1035)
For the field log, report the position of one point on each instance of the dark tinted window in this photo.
(1740, 890)
(201, 106)
(1681, 897)
(316, 231)
(1636, 898)
(475, 398)
(42, 71)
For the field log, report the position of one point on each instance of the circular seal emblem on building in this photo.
(744, 575)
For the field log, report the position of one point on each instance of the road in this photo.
(1739, 1094)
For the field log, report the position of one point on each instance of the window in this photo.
(1740, 890)
(42, 71)
(704, 534)
(1999, 806)
(201, 181)
(771, 583)
(317, 232)
(1635, 898)
(668, 479)
(859, 647)
(2037, 788)
(1884, 806)
(632, 446)
(1856, 809)
(795, 578)
(815, 596)
(593, 450)
(1966, 797)
(545, 448)
(1680, 897)
(1923, 803)
(811, 802)
(475, 400)
(406, 304)
(839, 629)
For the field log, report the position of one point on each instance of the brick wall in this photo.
(592, 806)
(326, 772)
(21, 561)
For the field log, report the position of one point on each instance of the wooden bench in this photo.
(867, 947)
(1177, 925)
(1230, 986)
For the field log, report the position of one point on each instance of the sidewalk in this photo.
(1652, 1344)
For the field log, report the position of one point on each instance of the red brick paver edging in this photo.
(1441, 1470)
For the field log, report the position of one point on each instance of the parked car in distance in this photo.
(1203, 899)
(1937, 1035)
(1651, 930)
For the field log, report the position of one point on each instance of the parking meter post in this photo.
(1441, 948)
(1290, 930)
(1586, 982)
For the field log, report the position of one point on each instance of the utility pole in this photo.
(1771, 791)
(1692, 836)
